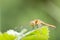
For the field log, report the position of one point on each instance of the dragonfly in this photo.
(40, 23)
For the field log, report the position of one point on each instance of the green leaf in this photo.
(6, 36)
(38, 34)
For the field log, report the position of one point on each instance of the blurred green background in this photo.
(14, 13)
